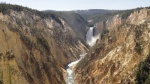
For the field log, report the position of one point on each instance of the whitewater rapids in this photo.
(91, 40)
(70, 74)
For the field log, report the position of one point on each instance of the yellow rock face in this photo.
(115, 58)
(34, 50)
(10, 52)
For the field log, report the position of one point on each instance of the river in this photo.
(70, 74)
(91, 40)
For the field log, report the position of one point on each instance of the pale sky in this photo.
(65, 5)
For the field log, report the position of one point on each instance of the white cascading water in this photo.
(91, 40)
(70, 74)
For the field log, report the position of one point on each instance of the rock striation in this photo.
(122, 46)
(35, 47)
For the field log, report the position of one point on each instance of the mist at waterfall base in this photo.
(91, 40)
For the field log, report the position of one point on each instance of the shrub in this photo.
(138, 48)
(143, 73)
(43, 42)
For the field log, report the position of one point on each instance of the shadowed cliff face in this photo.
(35, 50)
(116, 56)
(78, 24)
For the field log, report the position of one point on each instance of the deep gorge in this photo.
(59, 47)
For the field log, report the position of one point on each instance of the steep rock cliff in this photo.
(139, 17)
(112, 22)
(35, 48)
(74, 20)
(120, 49)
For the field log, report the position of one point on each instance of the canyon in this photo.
(35, 48)
(115, 57)
(47, 47)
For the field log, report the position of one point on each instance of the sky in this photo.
(66, 5)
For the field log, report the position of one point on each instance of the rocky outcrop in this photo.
(115, 58)
(139, 16)
(113, 22)
(100, 27)
(35, 49)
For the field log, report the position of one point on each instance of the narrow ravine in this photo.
(91, 40)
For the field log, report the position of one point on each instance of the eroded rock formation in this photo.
(115, 58)
(35, 49)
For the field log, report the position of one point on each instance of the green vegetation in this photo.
(96, 15)
(74, 20)
(138, 48)
(57, 19)
(103, 15)
(138, 32)
(5, 9)
(26, 41)
(125, 13)
(43, 42)
(143, 73)
(104, 34)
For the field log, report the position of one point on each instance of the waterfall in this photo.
(90, 38)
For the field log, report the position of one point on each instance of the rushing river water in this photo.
(91, 40)
(70, 74)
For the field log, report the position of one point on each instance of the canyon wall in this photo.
(34, 49)
(114, 59)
